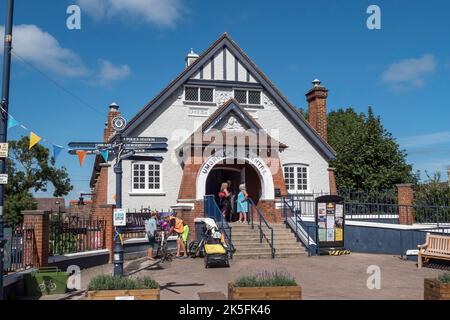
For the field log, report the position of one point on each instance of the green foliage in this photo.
(30, 170)
(444, 278)
(108, 282)
(368, 157)
(433, 192)
(266, 279)
(63, 243)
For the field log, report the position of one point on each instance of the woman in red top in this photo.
(224, 196)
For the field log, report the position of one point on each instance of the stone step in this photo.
(268, 250)
(256, 236)
(293, 246)
(243, 256)
(276, 242)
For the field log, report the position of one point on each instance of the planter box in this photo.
(144, 294)
(264, 293)
(436, 290)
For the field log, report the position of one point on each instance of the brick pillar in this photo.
(39, 220)
(332, 179)
(106, 212)
(405, 199)
(317, 108)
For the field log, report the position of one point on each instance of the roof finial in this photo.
(316, 82)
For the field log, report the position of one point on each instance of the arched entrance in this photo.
(237, 174)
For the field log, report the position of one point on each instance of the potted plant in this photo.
(265, 286)
(107, 287)
(437, 289)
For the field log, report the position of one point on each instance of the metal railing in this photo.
(212, 211)
(74, 234)
(289, 212)
(20, 250)
(252, 208)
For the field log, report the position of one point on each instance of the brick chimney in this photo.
(317, 108)
(113, 112)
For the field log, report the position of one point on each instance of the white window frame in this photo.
(246, 95)
(147, 190)
(198, 91)
(308, 178)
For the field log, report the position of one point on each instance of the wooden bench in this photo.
(436, 246)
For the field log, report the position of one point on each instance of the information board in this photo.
(330, 219)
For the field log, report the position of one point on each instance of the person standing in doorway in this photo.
(242, 204)
(224, 196)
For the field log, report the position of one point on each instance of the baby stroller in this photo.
(211, 246)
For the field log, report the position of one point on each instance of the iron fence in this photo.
(75, 234)
(20, 249)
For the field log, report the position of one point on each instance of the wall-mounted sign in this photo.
(120, 218)
(3, 179)
(4, 150)
(330, 222)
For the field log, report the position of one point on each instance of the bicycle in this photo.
(47, 284)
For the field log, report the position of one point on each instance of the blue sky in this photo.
(127, 51)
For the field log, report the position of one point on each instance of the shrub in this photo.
(444, 278)
(108, 282)
(266, 279)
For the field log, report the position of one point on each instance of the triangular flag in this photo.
(115, 198)
(56, 151)
(81, 156)
(34, 138)
(105, 154)
(12, 122)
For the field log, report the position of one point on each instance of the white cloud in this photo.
(410, 72)
(109, 73)
(425, 140)
(163, 13)
(43, 50)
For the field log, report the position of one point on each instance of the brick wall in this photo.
(317, 108)
(40, 221)
(106, 212)
(405, 200)
(332, 178)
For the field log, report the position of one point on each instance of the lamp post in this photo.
(118, 247)
(4, 121)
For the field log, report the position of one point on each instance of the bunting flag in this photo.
(105, 154)
(34, 138)
(12, 122)
(56, 150)
(81, 156)
(115, 198)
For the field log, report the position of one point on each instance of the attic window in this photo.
(248, 97)
(198, 94)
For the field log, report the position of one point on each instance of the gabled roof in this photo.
(248, 137)
(226, 41)
(227, 108)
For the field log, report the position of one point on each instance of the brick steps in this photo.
(247, 242)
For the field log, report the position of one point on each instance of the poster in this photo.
(120, 218)
(339, 234)
(322, 235)
(322, 222)
(330, 222)
(339, 211)
(321, 207)
(330, 235)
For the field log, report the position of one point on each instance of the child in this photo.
(185, 235)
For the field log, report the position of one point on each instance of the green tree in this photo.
(368, 157)
(31, 170)
(432, 192)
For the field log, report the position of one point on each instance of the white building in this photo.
(221, 94)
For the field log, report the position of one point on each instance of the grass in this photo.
(266, 279)
(107, 282)
(444, 278)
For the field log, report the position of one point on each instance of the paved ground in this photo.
(325, 277)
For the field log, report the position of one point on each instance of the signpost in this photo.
(123, 148)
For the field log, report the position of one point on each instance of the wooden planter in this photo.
(264, 293)
(144, 294)
(436, 290)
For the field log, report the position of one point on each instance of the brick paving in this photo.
(325, 277)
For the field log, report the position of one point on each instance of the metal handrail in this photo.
(211, 205)
(286, 207)
(261, 220)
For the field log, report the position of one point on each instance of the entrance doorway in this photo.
(237, 174)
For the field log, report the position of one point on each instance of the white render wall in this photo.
(177, 120)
